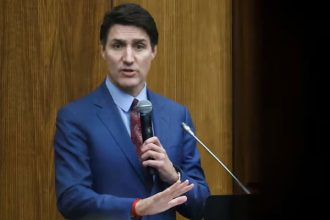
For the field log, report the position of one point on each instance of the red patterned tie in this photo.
(136, 134)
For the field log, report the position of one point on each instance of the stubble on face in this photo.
(128, 54)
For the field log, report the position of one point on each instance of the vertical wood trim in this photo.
(246, 58)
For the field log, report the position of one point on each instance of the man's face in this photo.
(128, 53)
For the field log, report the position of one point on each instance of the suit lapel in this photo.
(160, 119)
(109, 115)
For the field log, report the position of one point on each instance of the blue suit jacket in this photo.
(98, 173)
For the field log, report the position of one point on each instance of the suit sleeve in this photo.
(74, 190)
(191, 169)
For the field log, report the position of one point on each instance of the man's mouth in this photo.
(128, 72)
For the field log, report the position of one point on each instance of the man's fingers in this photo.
(170, 197)
(183, 190)
(186, 189)
(177, 201)
(174, 187)
(153, 163)
(154, 140)
(152, 147)
(152, 154)
(179, 188)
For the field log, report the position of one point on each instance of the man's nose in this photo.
(128, 57)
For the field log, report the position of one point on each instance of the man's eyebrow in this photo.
(134, 40)
(117, 40)
(139, 40)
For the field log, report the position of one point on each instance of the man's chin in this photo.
(131, 88)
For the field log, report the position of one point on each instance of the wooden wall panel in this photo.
(49, 55)
(193, 67)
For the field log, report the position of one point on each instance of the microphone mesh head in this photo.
(144, 106)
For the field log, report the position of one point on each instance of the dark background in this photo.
(293, 107)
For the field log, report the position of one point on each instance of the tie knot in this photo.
(134, 103)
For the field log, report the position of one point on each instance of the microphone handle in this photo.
(188, 129)
(146, 130)
(146, 126)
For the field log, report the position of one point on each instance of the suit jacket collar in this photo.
(160, 117)
(109, 115)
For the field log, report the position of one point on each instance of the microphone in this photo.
(145, 109)
(188, 130)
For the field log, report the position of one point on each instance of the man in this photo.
(100, 173)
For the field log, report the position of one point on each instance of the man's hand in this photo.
(154, 155)
(164, 200)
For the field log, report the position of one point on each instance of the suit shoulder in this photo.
(166, 102)
(81, 104)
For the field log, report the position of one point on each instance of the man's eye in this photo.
(116, 46)
(140, 46)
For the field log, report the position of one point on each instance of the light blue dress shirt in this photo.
(124, 101)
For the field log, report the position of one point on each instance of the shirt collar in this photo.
(122, 99)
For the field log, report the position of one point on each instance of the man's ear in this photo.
(154, 52)
(102, 51)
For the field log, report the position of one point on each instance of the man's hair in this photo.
(132, 15)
